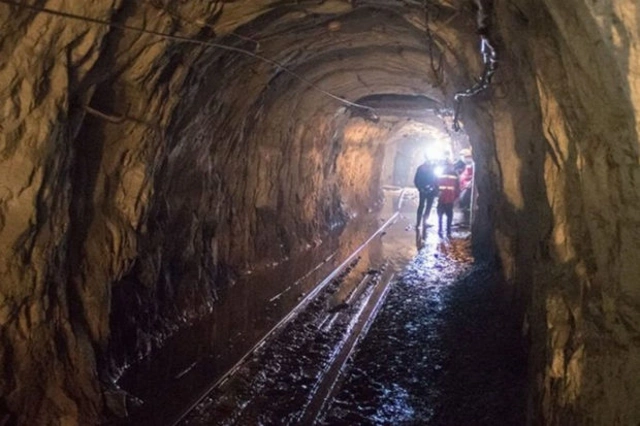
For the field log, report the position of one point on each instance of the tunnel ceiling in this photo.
(378, 44)
(354, 50)
(400, 103)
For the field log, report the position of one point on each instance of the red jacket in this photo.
(466, 176)
(449, 186)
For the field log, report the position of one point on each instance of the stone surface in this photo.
(139, 174)
(566, 158)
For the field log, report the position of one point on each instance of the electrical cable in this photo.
(191, 41)
(437, 71)
(490, 60)
(199, 23)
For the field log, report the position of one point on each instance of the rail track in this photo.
(289, 375)
(297, 365)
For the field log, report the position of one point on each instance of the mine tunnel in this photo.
(178, 178)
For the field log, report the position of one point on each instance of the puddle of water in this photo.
(394, 407)
(194, 357)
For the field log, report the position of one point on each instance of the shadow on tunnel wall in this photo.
(568, 133)
(593, 145)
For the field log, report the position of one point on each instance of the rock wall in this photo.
(560, 144)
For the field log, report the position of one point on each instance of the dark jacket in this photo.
(425, 179)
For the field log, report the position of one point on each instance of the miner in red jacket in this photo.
(449, 186)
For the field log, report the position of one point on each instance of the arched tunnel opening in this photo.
(180, 180)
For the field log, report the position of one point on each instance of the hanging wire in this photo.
(490, 60)
(198, 23)
(126, 27)
(435, 69)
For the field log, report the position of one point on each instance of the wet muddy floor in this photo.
(441, 350)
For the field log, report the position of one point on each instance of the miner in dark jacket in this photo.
(427, 184)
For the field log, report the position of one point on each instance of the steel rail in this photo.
(303, 303)
(327, 385)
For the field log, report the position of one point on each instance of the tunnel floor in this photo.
(442, 349)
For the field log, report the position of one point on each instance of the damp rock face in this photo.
(140, 174)
(565, 161)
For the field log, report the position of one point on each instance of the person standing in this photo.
(466, 186)
(427, 183)
(449, 187)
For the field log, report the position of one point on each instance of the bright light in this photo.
(435, 152)
(438, 170)
(431, 152)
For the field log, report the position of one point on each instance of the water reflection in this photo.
(193, 358)
(394, 406)
(421, 237)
